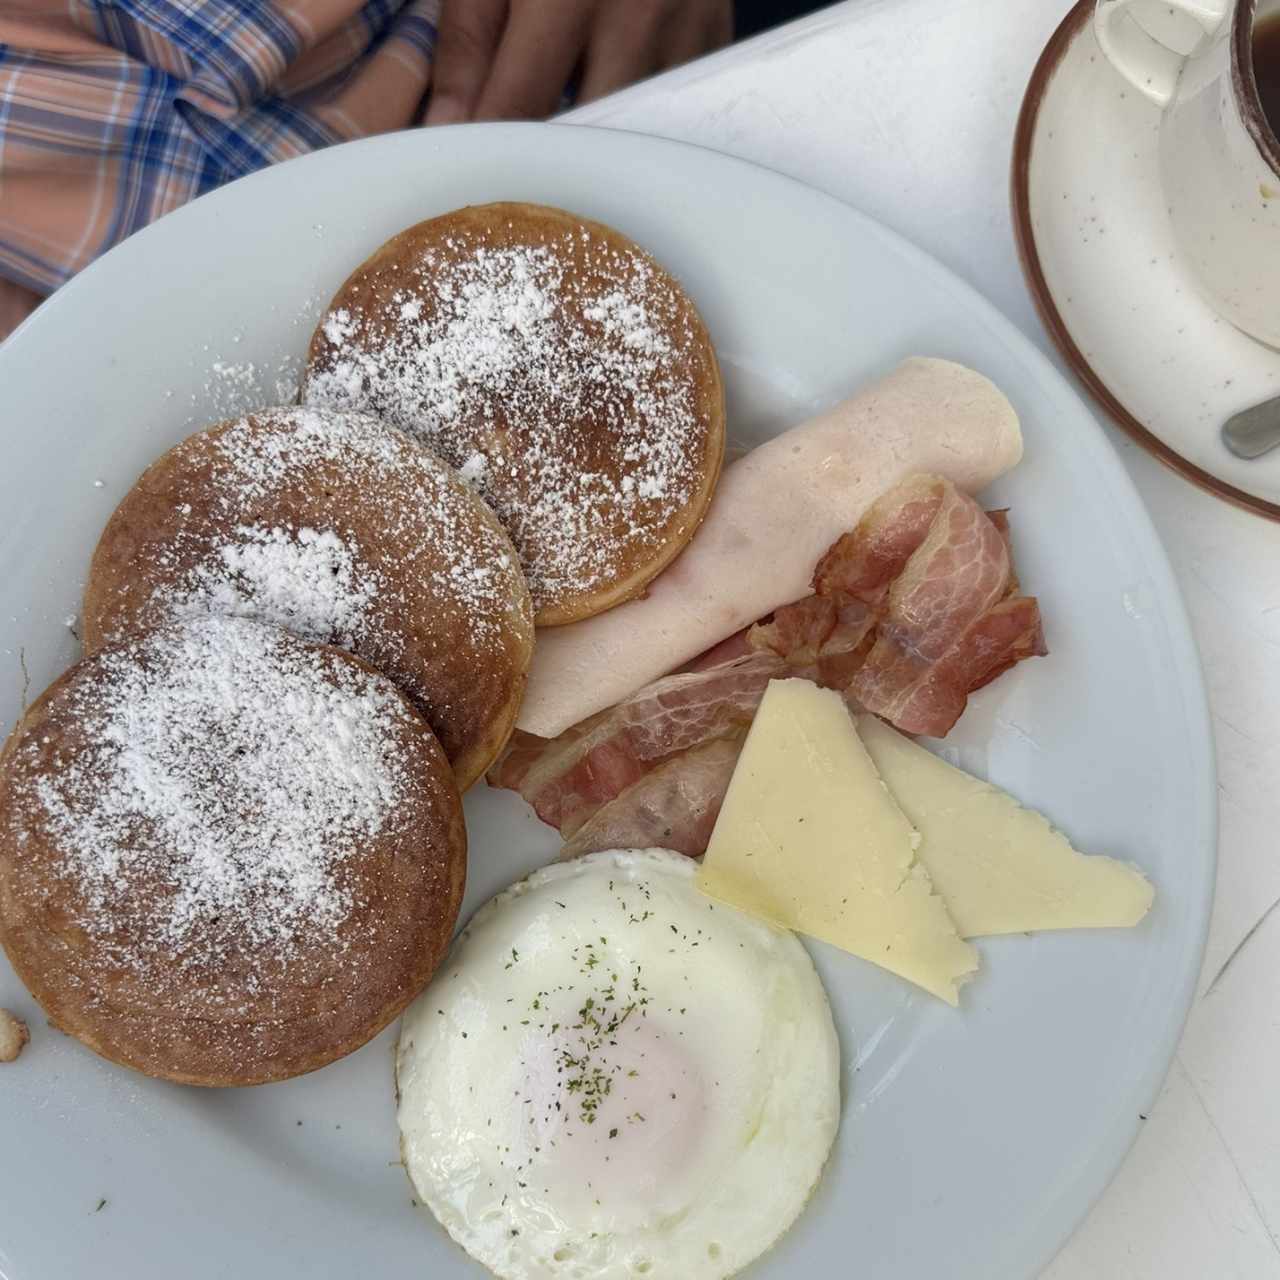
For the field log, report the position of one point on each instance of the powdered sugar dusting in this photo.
(311, 581)
(237, 386)
(337, 327)
(432, 511)
(230, 772)
(558, 392)
(319, 583)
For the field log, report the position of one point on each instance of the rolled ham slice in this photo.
(774, 514)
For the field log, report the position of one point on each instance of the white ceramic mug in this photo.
(1219, 158)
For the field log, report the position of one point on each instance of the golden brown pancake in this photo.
(558, 366)
(345, 531)
(227, 855)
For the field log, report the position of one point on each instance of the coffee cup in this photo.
(1213, 66)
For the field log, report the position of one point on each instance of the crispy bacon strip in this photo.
(916, 674)
(911, 612)
(823, 640)
(567, 779)
(899, 617)
(798, 631)
(847, 647)
(920, 701)
(862, 564)
(1011, 632)
(674, 807)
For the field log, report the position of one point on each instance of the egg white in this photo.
(615, 1076)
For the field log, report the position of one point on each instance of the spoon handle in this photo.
(1253, 432)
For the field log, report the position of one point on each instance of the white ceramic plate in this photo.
(972, 1141)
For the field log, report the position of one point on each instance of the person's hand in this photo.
(511, 59)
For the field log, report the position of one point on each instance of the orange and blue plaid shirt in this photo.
(114, 112)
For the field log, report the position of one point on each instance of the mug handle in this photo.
(1149, 65)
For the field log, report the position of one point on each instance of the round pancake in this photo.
(227, 855)
(557, 365)
(343, 530)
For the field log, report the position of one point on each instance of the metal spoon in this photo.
(1253, 432)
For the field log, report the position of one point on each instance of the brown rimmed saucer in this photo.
(1097, 250)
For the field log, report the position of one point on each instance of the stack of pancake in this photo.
(231, 837)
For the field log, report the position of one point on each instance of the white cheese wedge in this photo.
(1000, 867)
(810, 839)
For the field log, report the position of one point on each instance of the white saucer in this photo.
(1099, 255)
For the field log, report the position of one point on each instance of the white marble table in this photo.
(906, 109)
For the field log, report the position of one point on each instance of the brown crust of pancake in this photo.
(467, 681)
(255, 1017)
(373, 294)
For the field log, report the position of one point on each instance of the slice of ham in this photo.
(774, 513)
(911, 612)
(737, 645)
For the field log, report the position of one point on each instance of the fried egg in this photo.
(615, 1076)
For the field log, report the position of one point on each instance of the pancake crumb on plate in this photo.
(13, 1036)
(560, 368)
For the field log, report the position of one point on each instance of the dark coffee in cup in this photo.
(1266, 68)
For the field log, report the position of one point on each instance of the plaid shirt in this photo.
(114, 112)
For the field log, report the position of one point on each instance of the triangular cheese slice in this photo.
(1000, 867)
(810, 839)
